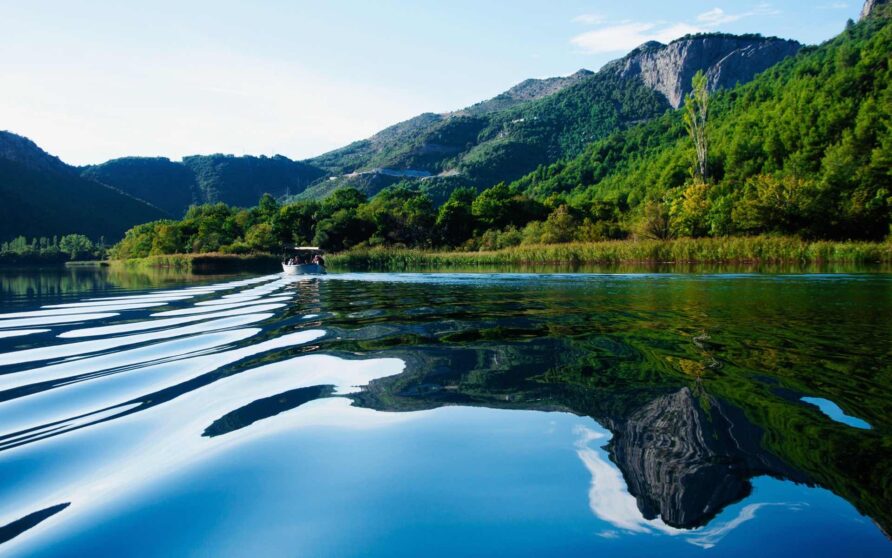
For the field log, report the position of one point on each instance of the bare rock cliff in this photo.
(870, 7)
(726, 60)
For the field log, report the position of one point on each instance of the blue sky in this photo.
(93, 80)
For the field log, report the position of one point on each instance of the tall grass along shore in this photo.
(759, 249)
(204, 262)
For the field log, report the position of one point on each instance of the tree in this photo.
(400, 216)
(343, 198)
(455, 220)
(261, 238)
(502, 206)
(76, 245)
(654, 223)
(295, 222)
(343, 230)
(696, 113)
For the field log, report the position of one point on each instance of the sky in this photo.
(89, 81)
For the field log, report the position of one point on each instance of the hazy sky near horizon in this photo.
(93, 80)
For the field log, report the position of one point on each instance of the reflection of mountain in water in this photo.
(685, 459)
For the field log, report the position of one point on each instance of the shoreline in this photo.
(209, 262)
(686, 251)
(735, 251)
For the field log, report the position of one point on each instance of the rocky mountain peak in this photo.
(726, 60)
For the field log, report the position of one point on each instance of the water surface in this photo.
(410, 414)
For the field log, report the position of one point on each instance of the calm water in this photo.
(445, 414)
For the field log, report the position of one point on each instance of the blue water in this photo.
(364, 415)
(833, 411)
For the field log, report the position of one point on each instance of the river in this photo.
(443, 414)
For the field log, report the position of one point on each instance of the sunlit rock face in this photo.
(870, 6)
(685, 458)
(725, 59)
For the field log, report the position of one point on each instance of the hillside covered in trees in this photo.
(40, 196)
(174, 186)
(805, 150)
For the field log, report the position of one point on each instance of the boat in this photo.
(299, 260)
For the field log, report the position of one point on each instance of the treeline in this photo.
(51, 250)
(398, 216)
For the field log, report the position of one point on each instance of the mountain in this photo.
(168, 185)
(42, 196)
(174, 186)
(542, 121)
(805, 148)
(726, 59)
(376, 150)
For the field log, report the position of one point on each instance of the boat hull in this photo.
(303, 269)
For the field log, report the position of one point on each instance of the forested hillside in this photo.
(804, 150)
(174, 186)
(40, 196)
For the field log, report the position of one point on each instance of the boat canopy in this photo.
(305, 249)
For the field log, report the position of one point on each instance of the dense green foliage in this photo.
(39, 199)
(167, 185)
(805, 149)
(174, 186)
(51, 250)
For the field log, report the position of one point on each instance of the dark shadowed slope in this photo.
(42, 196)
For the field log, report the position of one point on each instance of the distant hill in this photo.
(42, 196)
(174, 186)
(542, 121)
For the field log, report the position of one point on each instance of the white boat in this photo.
(303, 269)
(298, 260)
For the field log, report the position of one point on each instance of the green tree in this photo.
(261, 238)
(455, 218)
(696, 113)
(76, 245)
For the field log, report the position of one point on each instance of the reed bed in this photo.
(204, 262)
(759, 249)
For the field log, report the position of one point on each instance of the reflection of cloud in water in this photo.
(609, 499)
(608, 496)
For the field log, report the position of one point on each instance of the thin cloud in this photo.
(718, 16)
(590, 19)
(626, 36)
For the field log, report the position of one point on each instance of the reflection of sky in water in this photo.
(834, 411)
(286, 473)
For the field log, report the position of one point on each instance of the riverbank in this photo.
(737, 250)
(204, 263)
